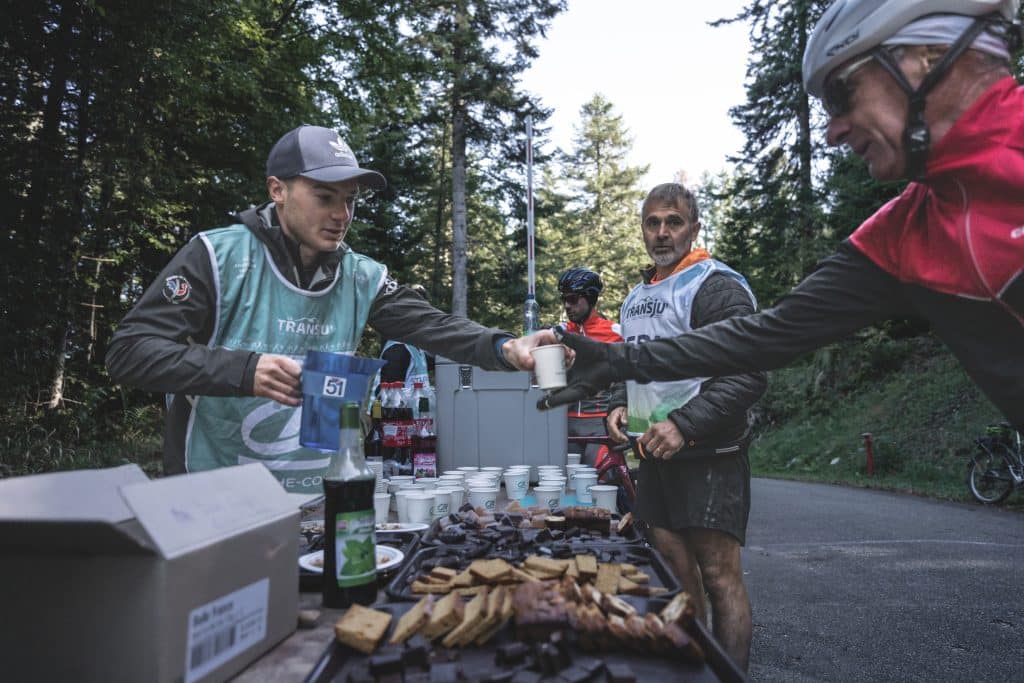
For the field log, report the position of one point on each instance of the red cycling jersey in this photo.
(960, 230)
(598, 327)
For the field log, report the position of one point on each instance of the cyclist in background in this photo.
(580, 289)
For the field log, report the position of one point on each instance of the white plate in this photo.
(317, 526)
(393, 527)
(387, 558)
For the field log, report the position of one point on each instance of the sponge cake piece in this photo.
(362, 628)
(413, 620)
(446, 615)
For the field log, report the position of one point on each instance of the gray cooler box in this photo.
(487, 418)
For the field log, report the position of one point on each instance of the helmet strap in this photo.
(916, 136)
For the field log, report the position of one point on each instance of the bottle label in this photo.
(355, 548)
(390, 433)
(424, 464)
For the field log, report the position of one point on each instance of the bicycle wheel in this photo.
(989, 479)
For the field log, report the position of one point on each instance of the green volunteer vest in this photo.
(416, 372)
(259, 310)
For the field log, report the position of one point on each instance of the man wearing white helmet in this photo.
(920, 89)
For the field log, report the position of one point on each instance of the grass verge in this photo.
(923, 415)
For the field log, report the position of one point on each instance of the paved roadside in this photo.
(859, 585)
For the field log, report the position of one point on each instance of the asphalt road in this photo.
(856, 585)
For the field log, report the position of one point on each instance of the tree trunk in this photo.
(50, 148)
(806, 197)
(459, 230)
(439, 219)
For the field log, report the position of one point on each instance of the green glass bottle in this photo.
(350, 550)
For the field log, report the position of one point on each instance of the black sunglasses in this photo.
(838, 94)
(571, 299)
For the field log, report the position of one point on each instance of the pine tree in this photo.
(598, 224)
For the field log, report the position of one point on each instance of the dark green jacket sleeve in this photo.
(718, 413)
(845, 293)
(401, 314)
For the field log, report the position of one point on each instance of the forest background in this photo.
(129, 127)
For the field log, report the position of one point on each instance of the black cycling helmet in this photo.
(581, 281)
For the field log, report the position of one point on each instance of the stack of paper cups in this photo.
(377, 465)
(570, 473)
(584, 480)
(420, 506)
(394, 484)
(456, 494)
(516, 482)
(401, 501)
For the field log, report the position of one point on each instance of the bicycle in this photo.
(997, 468)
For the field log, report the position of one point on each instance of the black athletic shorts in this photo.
(709, 492)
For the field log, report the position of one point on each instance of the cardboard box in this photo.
(108, 576)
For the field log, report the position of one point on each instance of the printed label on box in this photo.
(222, 628)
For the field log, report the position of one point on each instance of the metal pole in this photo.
(869, 449)
(530, 276)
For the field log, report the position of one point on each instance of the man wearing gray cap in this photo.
(222, 327)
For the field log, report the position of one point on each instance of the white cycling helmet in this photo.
(851, 27)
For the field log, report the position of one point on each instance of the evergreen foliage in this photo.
(128, 128)
(594, 219)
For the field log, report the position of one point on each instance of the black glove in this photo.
(598, 365)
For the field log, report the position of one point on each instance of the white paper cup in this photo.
(456, 496)
(401, 499)
(442, 502)
(478, 483)
(516, 483)
(394, 484)
(570, 474)
(493, 472)
(427, 482)
(448, 480)
(486, 498)
(454, 493)
(603, 496)
(421, 507)
(381, 506)
(544, 472)
(468, 470)
(572, 459)
(584, 480)
(549, 366)
(548, 496)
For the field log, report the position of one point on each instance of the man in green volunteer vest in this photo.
(222, 329)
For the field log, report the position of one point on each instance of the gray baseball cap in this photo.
(319, 154)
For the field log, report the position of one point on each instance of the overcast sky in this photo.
(670, 75)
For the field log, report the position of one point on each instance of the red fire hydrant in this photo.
(870, 454)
